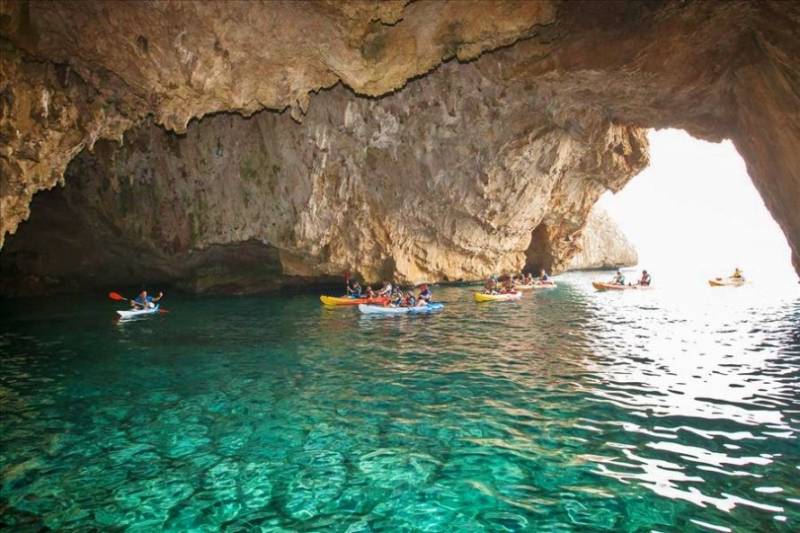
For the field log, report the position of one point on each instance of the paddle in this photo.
(119, 298)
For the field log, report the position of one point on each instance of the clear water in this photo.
(569, 410)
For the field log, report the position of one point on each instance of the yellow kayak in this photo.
(728, 282)
(346, 300)
(483, 297)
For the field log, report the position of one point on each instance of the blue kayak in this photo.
(389, 310)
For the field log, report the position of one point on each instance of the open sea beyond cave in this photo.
(568, 410)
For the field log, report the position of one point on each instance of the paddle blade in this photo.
(116, 296)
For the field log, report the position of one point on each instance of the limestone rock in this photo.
(412, 186)
(517, 117)
(602, 245)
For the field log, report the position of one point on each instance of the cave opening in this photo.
(694, 212)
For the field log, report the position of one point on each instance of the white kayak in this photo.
(388, 310)
(132, 313)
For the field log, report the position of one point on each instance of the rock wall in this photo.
(412, 186)
(452, 175)
(602, 245)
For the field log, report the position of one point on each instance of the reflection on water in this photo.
(569, 410)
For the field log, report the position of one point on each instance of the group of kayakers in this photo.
(644, 280)
(398, 297)
(509, 284)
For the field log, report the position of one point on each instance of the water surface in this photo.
(664, 410)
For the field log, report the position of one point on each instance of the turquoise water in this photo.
(569, 410)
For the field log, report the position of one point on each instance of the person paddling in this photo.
(490, 286)
(425, 295)
(619, 279)
(409, 300)
(386, 290)
(396, 298)
(644, 281)
(354, 289)
(143, 301)
(737, 275)
(508, 285)
(543, 276)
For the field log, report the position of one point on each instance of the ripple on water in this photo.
(569, 410)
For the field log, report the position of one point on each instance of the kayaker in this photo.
(143, 301)
(354, 290)
(644, 281)
(528, 278)
(424, 293)
(370, 293)
(386, 290)
(543, 276)
(490, 286)
(619, 279)
(508, 285)
(737, 274)
(409, 300)
(396, 298)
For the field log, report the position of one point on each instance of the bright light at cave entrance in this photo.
(695, 211)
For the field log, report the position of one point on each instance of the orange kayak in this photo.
(726, 282)
(603, 286)
(346, 300)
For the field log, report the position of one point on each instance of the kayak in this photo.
(727, 282)
(346, 300)
(483, 297)
(604, 286)
(388, 310)
(536, 285)
(138, 312)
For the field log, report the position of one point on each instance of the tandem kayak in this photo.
(604, 286)
(483, 297)
(346, 300)
(536, 285)
(138, 312)
(388, 310)
(726, 282)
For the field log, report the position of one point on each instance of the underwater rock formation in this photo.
(423, 140)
